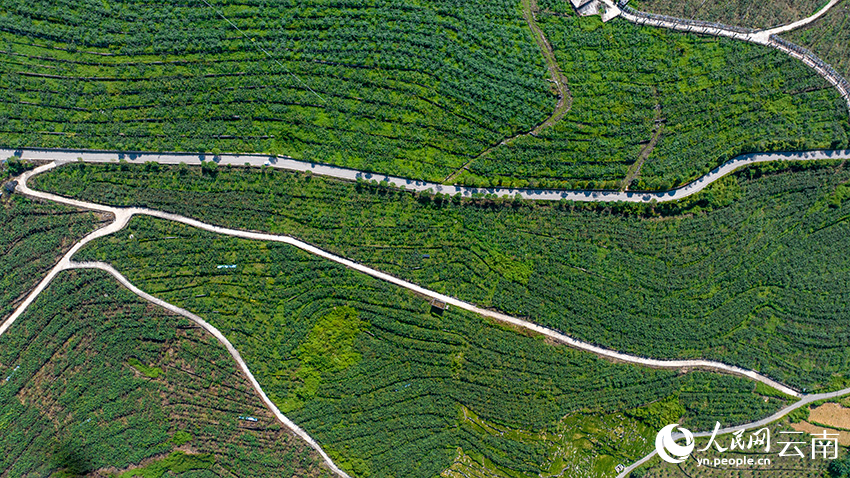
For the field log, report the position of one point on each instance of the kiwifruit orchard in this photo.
(391, 387)
(100, 383)
(429, 90)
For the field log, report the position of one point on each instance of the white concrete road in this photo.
(230, 348)
(760, 37)
(416, 185)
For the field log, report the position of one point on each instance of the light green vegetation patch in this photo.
(150, 372)
(328, 348)
(175, 463)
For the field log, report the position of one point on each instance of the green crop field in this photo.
(391, 388)
(413, 88)
(100, 384)
(752, 271)
(33, 237)
(828, 37)
(747, 13)
(400, 85)
(662, 108)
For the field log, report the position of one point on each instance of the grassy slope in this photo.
(713, 99)
(759, 281)
(747, 13)
(392, 390)
(829, 38)
(73, 402)
(404, 87)
(33, 237)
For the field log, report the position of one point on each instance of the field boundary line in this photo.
(337, 172)
(123, 216)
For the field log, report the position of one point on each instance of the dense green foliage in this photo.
(828, 37)
(759, 281)
(401, 86)
(33, 237)
(73, 405)
(711, 98)
(748, 13)
(376, 378)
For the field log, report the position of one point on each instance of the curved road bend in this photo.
(123, 215)
(806, 400)
(194, 159)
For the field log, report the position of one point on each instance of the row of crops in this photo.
(32, 239)
(750, 272)
(749, 13)
(708, 99)
(75, 404)
(404, 87)
(370, 372)
(828, 37)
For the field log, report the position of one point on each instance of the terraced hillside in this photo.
(746, 13)
(33, 238)
(735, 274)
(419, 89)
(829, 37)
(99, 383)
(399, 85)
(661, 107)
(392, 387)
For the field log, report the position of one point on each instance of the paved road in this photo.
(123, 215)
(804, 21)
(415, 185)
(805, 401)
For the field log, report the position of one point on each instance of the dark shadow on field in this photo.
(70, 459)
